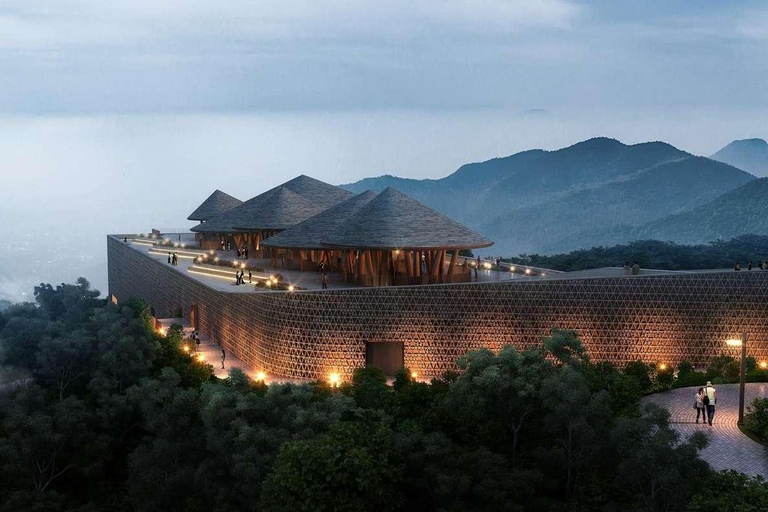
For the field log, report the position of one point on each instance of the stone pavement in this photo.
(728, 447)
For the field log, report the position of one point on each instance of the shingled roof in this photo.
(319, 192)
(310, 233)
(393, 220)
(278, 208)
(216, 204)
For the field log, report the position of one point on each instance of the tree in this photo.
(565, 346)
(350, 469)
(641, 373)
(730, 491)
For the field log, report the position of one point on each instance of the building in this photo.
(384, 314)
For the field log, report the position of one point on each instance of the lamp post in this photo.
(742, 371)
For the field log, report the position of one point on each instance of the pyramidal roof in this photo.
(307, 197)
(393, 220)
(278, 208)
(216, 204)
(310, 233)
(319, 192)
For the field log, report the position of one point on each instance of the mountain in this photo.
(738, 212)
(553, 201)
(750, 155)
(4, 304)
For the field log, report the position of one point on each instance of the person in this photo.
(197, 342)
(237, 277)
(222, 244)
(125, 239)
(627, 268)
(765, 264)
(169, 258)
(498, 263)
(760, 264)
(698, 404)
(322, 265)
(749, 265)
(635, 269)
(737, 266)
(479, 262)
(250, 276)
(238, 253)
(710, 400)
(223, 357)
(229, 246)
(324, 281)
(245, 252)
(282, 262)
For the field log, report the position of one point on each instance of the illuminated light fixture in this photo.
(200, 357)
(290, 288)
(334, 380)
(234, 263)
(228, 278)
(527, 271)
(260, 376)
(414, 375)
(397, 251)
(242, 265)
(733, 343)
(183, 245)
(185, 348)
(662, 367)
(176, 244)
(268, 283)
(543, 274)
(216, 259)
(511, 269)
(487, 265)
(763, 365)
(211, 252)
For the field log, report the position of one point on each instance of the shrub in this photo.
(756, 419)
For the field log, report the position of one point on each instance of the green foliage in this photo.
(641, 373)
(351, 468)
(656, 254)
(756, 418)
(729, 491)
(100, 412)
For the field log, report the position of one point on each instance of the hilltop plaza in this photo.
(333, 281)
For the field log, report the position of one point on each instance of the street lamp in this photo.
(742, 372)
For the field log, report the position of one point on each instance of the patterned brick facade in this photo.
(307, 334)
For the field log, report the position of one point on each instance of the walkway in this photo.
(728, 447)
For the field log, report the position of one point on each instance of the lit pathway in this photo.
(728, 447)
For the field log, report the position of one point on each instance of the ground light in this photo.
(662, 366)
(200, 357)
(763, 365)
(185, 348)
(290, 288)
(334, 380)
(414, 375)
(261, 376)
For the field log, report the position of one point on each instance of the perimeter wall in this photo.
(307, 334)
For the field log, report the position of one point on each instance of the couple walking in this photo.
(704, 403)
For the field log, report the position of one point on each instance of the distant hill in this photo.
(552, 201)
(738, 212)
(750, 155)
(4, 304)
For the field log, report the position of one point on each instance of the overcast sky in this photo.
(96, 56)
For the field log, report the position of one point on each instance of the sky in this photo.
(120, 116)
(95, 56)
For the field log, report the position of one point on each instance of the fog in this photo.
(65, 182)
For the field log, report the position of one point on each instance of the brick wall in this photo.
(307, 334)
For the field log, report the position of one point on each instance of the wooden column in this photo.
(454, 258)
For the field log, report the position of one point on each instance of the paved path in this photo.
(728, 447)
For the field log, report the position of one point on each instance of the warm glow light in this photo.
(763, 365)
(334, 379)
(414, 375)
(397, 251)
(161, 330)
(261, 376)
(662, 367)
(200, 357)
(290, 288)
(185, 348)
(527, 271)
(242, 265)
(733, 343)
(487, 265)
(216, 259)
(211, 252)
(543, 273)
(511, 269)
